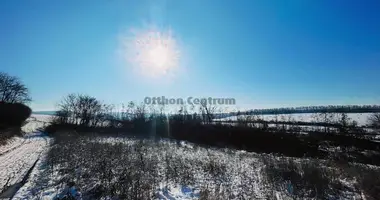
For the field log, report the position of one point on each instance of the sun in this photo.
(153, 52)
(159, 56)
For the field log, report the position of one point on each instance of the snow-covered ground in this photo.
(19, 155)
(45, 184)
(35, 122)
(11, 144)
(242, 173)
(360, 118)
(185, 171)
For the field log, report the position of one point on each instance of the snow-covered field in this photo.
(136, 169)
(19, 155)
(113, 167)
(360, 118)
(182, 171)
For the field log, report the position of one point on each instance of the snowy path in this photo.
(17, 158)
(11, 145)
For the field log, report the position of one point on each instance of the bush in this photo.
(13, 114)
(369, 183)
(307, 179)
(77, 110)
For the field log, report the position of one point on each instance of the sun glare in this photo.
(159, 56)
(153, 52)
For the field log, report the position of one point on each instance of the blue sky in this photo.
(262, 53)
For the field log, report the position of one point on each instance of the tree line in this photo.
(313, 109)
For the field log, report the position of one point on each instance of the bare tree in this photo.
(207, 111)
(89, 109)
(82, 110)
(136, 112)
(343, 122)
(374, 121)
(12, 90)
(135, 116)
(327, 118)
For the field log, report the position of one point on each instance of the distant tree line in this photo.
(310, 109)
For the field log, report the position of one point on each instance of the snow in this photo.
(11, 144)
(244, 169)
(43, 184)
(29, 189)
(15, 163)
(245, 172)
(178, 192)
(19, 155)
(35, 122)
(360, 118)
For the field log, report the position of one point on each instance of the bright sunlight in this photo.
(152, 52)
(159, 56)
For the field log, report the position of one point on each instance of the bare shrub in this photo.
(374, 121)
(123, 170)
(137, 169)
(78, 111)
(208, 112)
(369, 183)
(308, 179)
